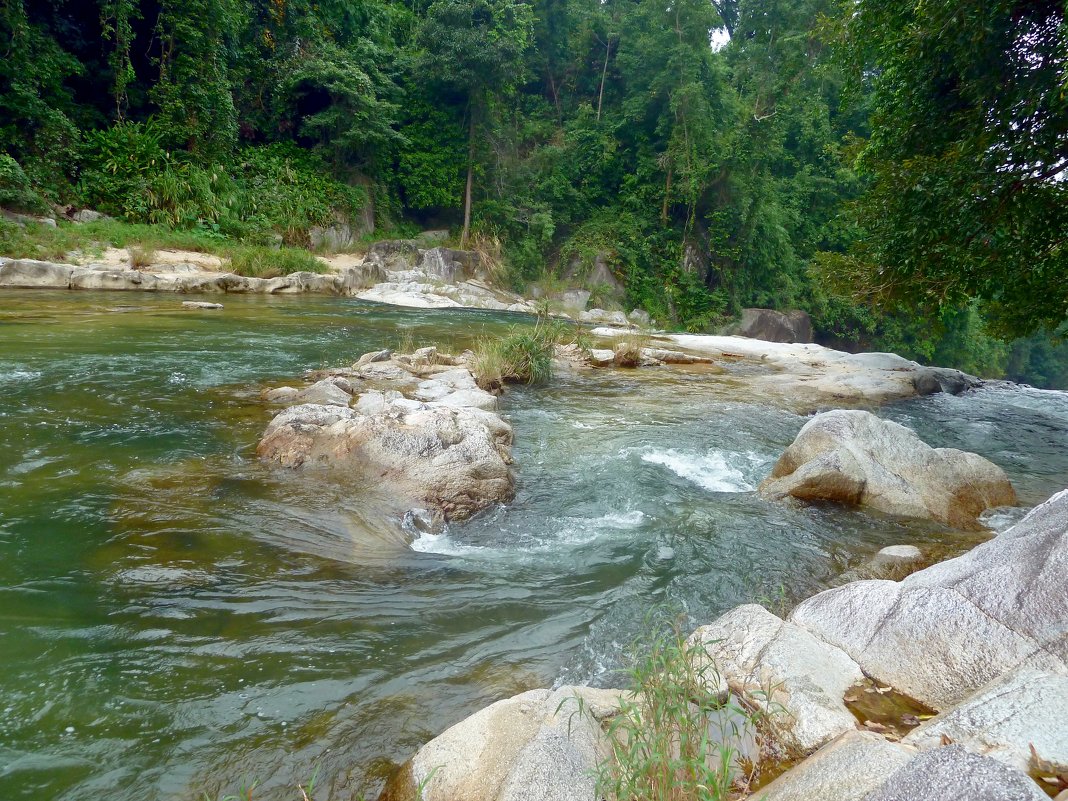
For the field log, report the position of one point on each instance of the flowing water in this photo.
(177, 619)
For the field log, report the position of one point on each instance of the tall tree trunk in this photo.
(470, 175)
(604, 71)
(667, 195)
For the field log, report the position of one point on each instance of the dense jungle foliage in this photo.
(896, 169)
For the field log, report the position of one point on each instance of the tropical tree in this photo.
(475, 48)
(967, 161)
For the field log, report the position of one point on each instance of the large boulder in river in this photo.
(452, 459)
(854, 457)
(541, 744)
(944, 632)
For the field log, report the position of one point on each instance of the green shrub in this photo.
(662, 747)
(525, 355)
(33, 242)
(288, 190)
(127, 172)
(15, 190)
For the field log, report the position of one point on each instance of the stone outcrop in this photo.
(1021, 718)
(540, 745)
(847, 769)
(946, 631)
(623, 354)
(418, 424)
(773, 326)
(781, 668)
(983, 638)
(32, 274)
(808, 376)
(854, 457)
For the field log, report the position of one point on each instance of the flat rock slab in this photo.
(200, 304)
(1022, 710)
(32, 274)
(954, 774)
(847, 769)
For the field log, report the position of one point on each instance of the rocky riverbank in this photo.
(980, 641)
(408, 273)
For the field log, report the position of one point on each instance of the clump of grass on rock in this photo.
(671, 740)
(266, 262)
(524, 356)
(628, 349)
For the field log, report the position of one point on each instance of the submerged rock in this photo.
(854, 457)
(895, 561)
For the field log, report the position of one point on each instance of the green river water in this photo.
(177, 619)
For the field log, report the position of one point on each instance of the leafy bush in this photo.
(129, 173)
(288, 190)
(33, 242)
(15, 190)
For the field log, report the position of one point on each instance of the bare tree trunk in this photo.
(667, 194)
(470, 176)
(604, 71)
(556, 97)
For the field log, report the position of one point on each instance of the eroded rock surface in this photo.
(774, 326)
(955, 774)
(854, 457)
(943, 632)
(781, 667)
(847, 769)
(1020, 719)
(419, 426)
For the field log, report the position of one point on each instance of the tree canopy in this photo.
(896, 169)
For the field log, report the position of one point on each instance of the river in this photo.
(177, 619)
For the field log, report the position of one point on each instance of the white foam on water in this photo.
(19, 375)
(443, 545)
(1003, 518)
(558, 532)
(716, 471)
(631, 519)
